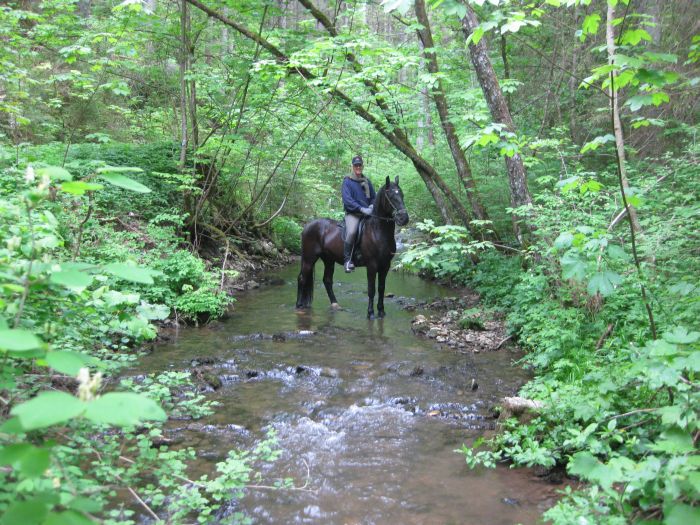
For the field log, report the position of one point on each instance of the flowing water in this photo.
(368, 414)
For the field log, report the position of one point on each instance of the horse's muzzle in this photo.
(401, 218)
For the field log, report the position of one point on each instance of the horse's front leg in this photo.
(380, 299)
(329, 266)
(371, 276)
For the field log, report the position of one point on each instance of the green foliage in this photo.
(446, 255)
(287, 234)
(97, 240)
(79, 316)
(620, 410)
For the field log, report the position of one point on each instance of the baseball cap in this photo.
(357, 160)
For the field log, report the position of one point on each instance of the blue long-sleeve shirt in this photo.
(354, 196)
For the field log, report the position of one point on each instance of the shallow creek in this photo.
(368, 414)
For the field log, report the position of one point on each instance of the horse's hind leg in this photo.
(329, 267)
(305, 288)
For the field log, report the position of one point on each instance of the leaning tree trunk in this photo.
(519, 193)
(617, 124)
(463, 169)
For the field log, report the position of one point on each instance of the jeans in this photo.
(351, 223)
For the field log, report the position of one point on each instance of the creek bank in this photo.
(458, 323)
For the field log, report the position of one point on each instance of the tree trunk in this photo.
(463, 169)
(519, 193)
(183, 84)
(506, 68)
(573, 83)
(617, 124)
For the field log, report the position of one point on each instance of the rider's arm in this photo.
(351, 204)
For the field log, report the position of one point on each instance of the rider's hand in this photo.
(368, 210)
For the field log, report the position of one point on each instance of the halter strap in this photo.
(393, 215)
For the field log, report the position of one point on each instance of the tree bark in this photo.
(573, 83)
(183, 84)
(517, 177)
(506, 68)
(463, 170)
(617, 124)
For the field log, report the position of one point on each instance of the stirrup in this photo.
(349, 267)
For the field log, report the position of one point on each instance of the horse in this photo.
(321, 239)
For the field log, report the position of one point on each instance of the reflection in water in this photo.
(371, 412)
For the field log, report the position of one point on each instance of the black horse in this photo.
(321, 239)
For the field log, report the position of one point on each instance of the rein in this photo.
(393, 215)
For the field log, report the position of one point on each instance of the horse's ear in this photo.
(388, 182)
(396, 180)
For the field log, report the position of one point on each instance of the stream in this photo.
(367, 414)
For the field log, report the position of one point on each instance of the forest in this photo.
(155, 155)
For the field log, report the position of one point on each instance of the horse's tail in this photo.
(305, 288)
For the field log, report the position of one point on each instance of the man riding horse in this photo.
(323, 239)
(358, 199)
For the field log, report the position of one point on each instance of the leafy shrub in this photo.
(287, 234)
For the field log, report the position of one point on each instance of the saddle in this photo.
(356, 252)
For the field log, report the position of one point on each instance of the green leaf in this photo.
(68, 517)
(681, 514)
(123, 409)
(85, 504)
(634, 36)
(638, 101)
(564, 240)
(31, 461)
(135, 274)
(117, 179)
(680, 335)
(29, 512)
(153, 311)
(17, 340)
(597, 142)
(587, 466)
(79, 187)
(615, 252)
(674, 441)
(74, 280)
(67, 362)
(573, 267)
(604, 283)
(582, 464)
(48, 408)
(55, 173)
(590, 26)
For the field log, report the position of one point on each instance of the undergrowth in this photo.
(620, 408)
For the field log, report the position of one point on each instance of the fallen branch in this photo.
(605, 335)
(499, 345)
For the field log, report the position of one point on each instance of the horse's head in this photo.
(390, 203)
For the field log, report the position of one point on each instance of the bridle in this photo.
(393, 213)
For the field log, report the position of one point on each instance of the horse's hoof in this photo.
(381, 315)
(370, 317)
(335, 306)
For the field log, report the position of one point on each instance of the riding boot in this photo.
(347, 257)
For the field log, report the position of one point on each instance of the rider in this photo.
(358, 199)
